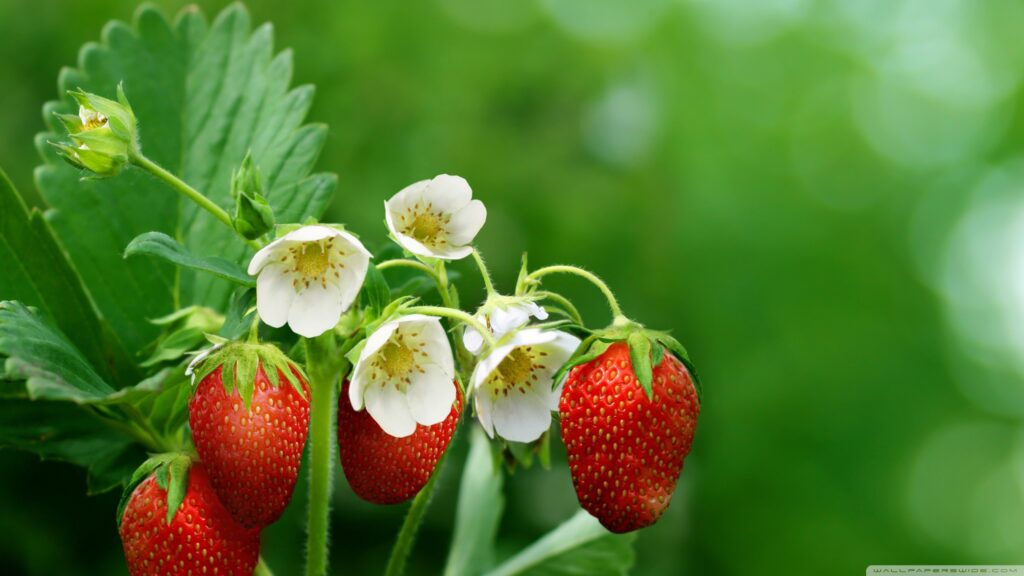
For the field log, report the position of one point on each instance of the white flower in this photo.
(405, 374)
(308, 278)
(514, 383)
(436, 218)
(190, 369)
(502, 319)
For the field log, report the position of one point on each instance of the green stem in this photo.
(322, 384)
(262, 569)
(400, 262)
(613, 304)
(455, 314)
(563, 302)
(411, 525)
(441, 275)
(483, 272)
(189, 192)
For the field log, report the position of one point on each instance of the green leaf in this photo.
(36, 272)
(590, 348)
(640, 357)
(41, 355)
(238, 318)
(480, 506)
(579, 546)
(69, 433)
(376, 293)
(203, 94)
(162, 246)
(175, 345)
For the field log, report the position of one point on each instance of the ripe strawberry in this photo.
(201, 538)
(625, 450)
(381, 468)
(252, 447)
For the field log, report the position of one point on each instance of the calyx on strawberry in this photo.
(628, 410)
(249, 415)
(171, 523)
(381, 468)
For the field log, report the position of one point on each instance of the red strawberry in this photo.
(381, 468)
(252, 454)
(625, 450)
(201, 538)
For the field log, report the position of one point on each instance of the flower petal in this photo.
(312, 233)
(505, 320)
(466, 223)
(448, 193)
(274, 295)
(376, 341)
(407, 196)
(413, 245)
(267, 254)
(448, 252)
(484, 407)
(436, 345)
(472, 340)
(522, 417)
(315, 310)
(430, 396)
(488, 364)
(390, 410)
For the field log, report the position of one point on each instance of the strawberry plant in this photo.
(183, 325)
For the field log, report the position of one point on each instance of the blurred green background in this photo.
(822, 199)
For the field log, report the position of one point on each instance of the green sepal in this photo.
(245, 376)
(589, 349)
(178, 471)
(254, 216)
(640, 356)
(239, 362)
(680, 352)
(171, 471)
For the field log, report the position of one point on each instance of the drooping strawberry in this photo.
(249, 416)
(172, 524)
(381, 468)
(626, 447)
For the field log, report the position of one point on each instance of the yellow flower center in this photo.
(396, 359)
(426, 228)
(312, 260)
(516, 372)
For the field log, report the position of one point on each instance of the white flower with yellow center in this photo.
(513, 385)
(502, 319)
(436, 218)
(404, 375)
(308, 278)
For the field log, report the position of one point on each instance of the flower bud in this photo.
(102, 133)
(253, 215)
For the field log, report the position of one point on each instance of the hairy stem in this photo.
(613, 304)
(323, 376)
(454, 314)
(403, 262)
(189, 192)
(483, 272)
(411, 525)
(563, 302)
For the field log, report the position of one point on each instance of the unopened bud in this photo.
(253, 215)
(102, 133)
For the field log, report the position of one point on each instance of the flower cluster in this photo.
(403, 371)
